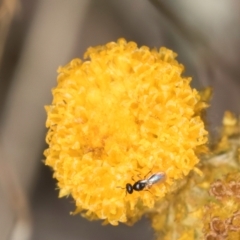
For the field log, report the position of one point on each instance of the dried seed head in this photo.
(214, 236)
(235, 222)
(219, 226)
(218, 190)
(234, 188)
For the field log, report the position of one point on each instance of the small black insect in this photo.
(137, 186)
(145, 183)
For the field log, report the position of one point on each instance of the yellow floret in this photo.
(118, 115)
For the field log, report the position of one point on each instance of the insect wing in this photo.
(155, 178)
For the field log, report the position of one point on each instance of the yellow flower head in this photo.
(120, 116)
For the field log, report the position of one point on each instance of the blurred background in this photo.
(38, 36)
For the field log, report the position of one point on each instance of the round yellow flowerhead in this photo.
(119, 116)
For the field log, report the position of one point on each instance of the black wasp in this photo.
(145, 183)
